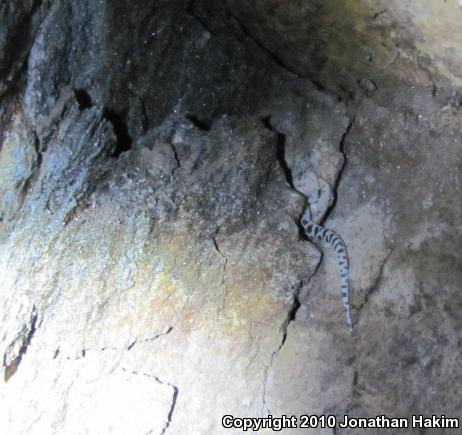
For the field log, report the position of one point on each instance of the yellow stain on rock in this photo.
(193, 289)
(187, 284)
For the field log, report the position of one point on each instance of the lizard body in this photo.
(332, 240)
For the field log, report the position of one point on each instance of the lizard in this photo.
(330, 239)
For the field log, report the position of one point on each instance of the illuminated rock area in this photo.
(354, 45)
(155, 158)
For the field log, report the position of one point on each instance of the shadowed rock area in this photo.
(155, 159)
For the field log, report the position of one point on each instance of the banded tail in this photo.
(330, 239)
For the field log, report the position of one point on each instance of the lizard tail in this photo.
(331, 239)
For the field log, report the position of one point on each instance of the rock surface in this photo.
(154, 161)
(349, 45)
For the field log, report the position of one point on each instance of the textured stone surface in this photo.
(154, 161)
(19, 22)
(351, 45)
(18, 160)
(153, 253)
(408, 310)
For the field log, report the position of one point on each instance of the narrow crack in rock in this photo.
(281, 142)
(355, 394)
(172, 407)
(253, 358)
(265, 381)
(175, 156)
(376, 284)
(33, 176)
(278, 61)
(25, 338)
(354, 382)
(340, 172)
(280, 151)
(225, 262)
(281, 158)
(267, 371)
(83, 352)
(292, 312)
(291, 315)
(223, 270)
(146, 340)
(189, 8)
(174, 395)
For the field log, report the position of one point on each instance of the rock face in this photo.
(347, 45)
(19, 21)
(155, 159)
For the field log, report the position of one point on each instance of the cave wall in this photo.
(342, 43)
(155, 159)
